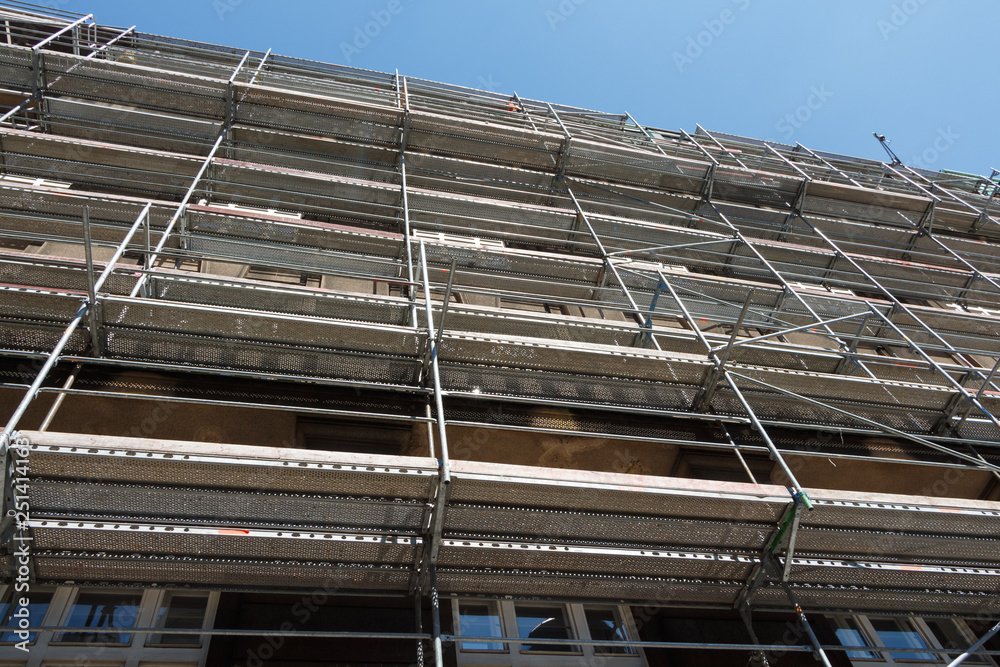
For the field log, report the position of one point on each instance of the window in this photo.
(943, 640)
(953, 636)
(606, 623)
(544, 622)
(106, 622)
(848, 634)
(179, 610)
(533, 622)
(352, 435)
(900, 633)
(480, 620)
(107, 612)
(272, 274)
(721, 466)
(38, 604)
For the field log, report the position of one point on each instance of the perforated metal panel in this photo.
(620, 164)
(605, 560)
(221, 542)
(29, 304)
(15, 67)
(470, 520)
(917, 547)
(231, 573)
(303, 259)
(900, 575)
(435, 133)
(584, 587)
(576, 388)
(309, 234)
(22, 271)
(40, 337)
(470, 488)
(124, 503)
(860, 599)
(892, 517)
(135, 466)
(107, 80)
(246, 295)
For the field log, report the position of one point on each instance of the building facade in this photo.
(310, 365)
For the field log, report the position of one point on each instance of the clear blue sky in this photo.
(826, 74)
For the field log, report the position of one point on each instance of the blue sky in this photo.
(826, 74)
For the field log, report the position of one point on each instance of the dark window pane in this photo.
(180, 611)
(106, 612)
(480, 620)
(953, 639)
(547, 622)
(604, 623)
(38, 604)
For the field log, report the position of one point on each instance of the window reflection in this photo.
(480, 620)
(898, 633)
(848, 634)
(38, 604)
(106, 612)
(952, 638)
(180, 611)
(543, 622)
(604, 623)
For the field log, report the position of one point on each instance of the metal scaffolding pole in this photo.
(407, 240)
(789, 289)
(610, 265)
(443, 488)
(871, 422)
(962, 392)
(179, 213)
(975, 647)
(436, 638)
(54, 356)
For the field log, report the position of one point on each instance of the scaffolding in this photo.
(658, 278)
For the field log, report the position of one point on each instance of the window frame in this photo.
(67, 609)
(44, 651)
(164, 600)
(942, 654)
(575, 614)
(457, 615)
(16, 595)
